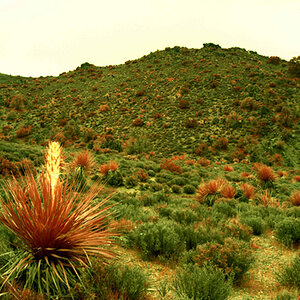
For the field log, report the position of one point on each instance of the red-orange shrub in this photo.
(23, 131)
(168, 164)
(248, 190)
(83, 160)
(266, 174)
(228, 191)
(295, 198)
(110, 166)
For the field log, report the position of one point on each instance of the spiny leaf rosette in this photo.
(60, 227)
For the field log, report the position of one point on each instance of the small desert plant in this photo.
(83, 160)
(209, 191)
(189, 189)
(23, 131)
(57, 228)
(266, 174)
(248, 190)
(233, 257)
(169, 165)
(295, 198)
(118, 281)
(110, 166)
(221, 143)
(256, 223)
(202, 283)
(160, 239)
(290, 275)
(287, 231)
(294, 67)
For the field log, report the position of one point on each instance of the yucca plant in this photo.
(58, 229)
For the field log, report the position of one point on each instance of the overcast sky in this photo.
(48, 37)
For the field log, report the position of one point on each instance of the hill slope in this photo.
(229, 103)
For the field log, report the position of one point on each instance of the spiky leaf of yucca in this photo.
(59, 227)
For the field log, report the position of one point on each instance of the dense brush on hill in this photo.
(215, 102)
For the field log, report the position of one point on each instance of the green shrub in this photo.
(115, 178)
(204, 283)
(256, 223)
(285, 295)
(290, 275)
(287, 231)
(151, 173)
(225, 209)
(235, 229)
(128, 283)
(161, 239)
(113, 145)
(131, 181)
(189, 189)
(178, 181)
(176, 189)
(233, 257)
(155, 187)
(154, 198)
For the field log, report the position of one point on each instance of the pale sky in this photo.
(48, 37)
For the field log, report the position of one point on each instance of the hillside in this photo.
(176, 99)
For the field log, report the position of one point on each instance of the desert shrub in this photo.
(266, 174)
(117, 280)
(17, 102)
(202, 147)
(189, 189)
(155, 186)
(138, 145)
(191, 123)
(176, 189)
(138, 122)
(183, 104)
(290, 275)
(274, 60)
(154, 198)
(113, 144)
(151, 173)
(11, 116)
(295, 198)
(115, 178)
(256, 223)
(23, 131)
(249, 103)
(54, 245)
(203, 283)
(221, 143)
(168, 164)
(72, 130)
(287, 231)
(83, 160)
(160, 239)
(225, 209)
(233, 257)
(178, 180)
(234, 228)
(131, 181)
(286, 295)
(294, 67)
